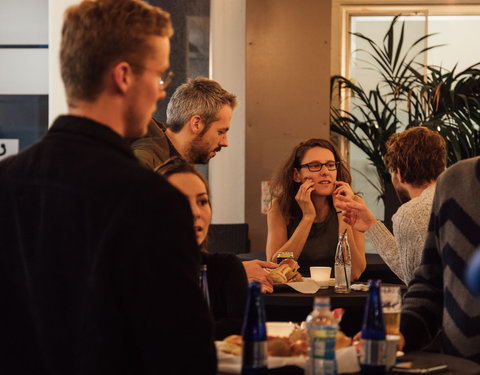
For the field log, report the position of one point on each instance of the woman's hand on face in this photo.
(342, 188)
(304, 199)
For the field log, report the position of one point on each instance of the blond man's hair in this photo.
(97, 34)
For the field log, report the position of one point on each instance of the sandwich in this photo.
(286, 272)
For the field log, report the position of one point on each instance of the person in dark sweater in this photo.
(439, 311)
(89, 236)
(227, 280)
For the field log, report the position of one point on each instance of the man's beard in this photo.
(199, 152)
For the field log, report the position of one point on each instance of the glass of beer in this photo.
(392, 307)
(284, 255)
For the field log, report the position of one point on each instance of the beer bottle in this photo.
(373, 344)
(254, 332)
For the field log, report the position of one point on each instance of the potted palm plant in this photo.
(406, 95)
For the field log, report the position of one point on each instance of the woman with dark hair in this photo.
(303, 218)
(227, 281)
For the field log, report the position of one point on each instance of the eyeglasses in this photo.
(316, 166)
(165, 79)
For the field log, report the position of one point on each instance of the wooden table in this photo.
(456, 365)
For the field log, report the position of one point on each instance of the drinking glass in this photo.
(392, 308)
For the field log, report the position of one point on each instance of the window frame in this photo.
(344, 10)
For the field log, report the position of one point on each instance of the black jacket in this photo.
(228, 290)
(89, 241)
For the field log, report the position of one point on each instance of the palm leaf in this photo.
(444, 100)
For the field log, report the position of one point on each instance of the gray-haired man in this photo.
(198, 119)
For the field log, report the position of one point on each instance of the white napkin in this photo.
(307, 286)
(347, 360)
(359, 287)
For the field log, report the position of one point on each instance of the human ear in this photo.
(399, 174)
(122, 76)
(296, 175)
(196, 124)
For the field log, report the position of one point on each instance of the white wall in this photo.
(227, 59)
(23, 71)
(227, 51)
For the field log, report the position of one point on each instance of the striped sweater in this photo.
(437, 300)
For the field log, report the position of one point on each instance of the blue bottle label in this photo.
(323, 350)
(254, 354)
(372, 352)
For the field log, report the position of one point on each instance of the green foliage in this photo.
(406, 95)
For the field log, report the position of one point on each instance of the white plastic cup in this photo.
(321, 275)
(391, 350)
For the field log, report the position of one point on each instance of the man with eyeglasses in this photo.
(89, 237)
(416, 157)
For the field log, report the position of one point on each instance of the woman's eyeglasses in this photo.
(316, 166)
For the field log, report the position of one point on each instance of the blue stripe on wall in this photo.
(23, 46)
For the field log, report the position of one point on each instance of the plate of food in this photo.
(287, 344)
(286, 277)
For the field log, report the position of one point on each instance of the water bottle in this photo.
(322, 332)
(343, 264)
(204, 283)
(254, 332)
(372, 343)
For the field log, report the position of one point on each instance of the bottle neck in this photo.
(321, 303)
(254, 328)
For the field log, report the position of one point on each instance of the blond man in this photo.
(89, 237)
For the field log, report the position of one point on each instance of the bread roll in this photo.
(233, 344)
(300, 347)
(298, 334)
(285, 272)
(279, 347)
(278, 278)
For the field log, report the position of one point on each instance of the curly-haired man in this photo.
(416, 157)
